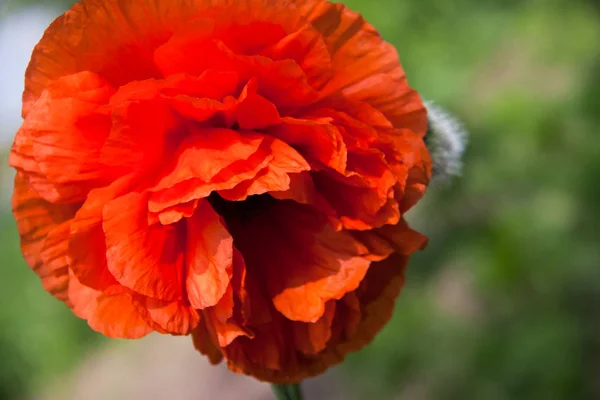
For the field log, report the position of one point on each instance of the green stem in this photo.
(287, 392)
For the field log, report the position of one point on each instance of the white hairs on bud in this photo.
(446, 140)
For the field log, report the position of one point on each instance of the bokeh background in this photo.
(505, 301)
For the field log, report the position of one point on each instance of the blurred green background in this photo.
(505, 301)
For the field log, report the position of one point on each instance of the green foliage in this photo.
(11, 5)
(515, 240)
(39, 337)
(504, 302)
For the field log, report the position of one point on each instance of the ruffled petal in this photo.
(303, 190)
(60, 139)
(87, 243)
(126, 32)
(41, 227)
(348, 315)
(358, 205)
(312, 338)
(209, 257)
(136, 143)
(399, 238)
(253, 307)
(358, 317)
(282, 82)
(275, 177)
(262, 354)
(65, 129)
(129, 33)
(308, 262)
(54, 271)
(365, 67)
(174, 213)
(307, 48)
(205, 345)
(226, 320)
(250, 38)
(147, 259)
(256, 112)
(224, 328)
(415, 165)
(111, 312)
(418, 178)
(376, 295)
(246, 162)
(317, 141)
(234, 157)
(175, 318)
(246, 27)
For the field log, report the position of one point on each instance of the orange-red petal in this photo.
(306, 260)
(209, 257)
(312, 338)
(60, 138)
(87, 243)
(42, 228)
(144, 258)
(175, 317)
(365, 67)
(111, 312)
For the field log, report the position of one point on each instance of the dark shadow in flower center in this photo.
(239, 212)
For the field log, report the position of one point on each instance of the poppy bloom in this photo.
(237, 170)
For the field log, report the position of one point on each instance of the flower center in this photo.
(241, 211)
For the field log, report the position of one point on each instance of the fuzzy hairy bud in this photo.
(446, 140)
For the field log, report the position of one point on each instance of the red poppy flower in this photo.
(236, 170)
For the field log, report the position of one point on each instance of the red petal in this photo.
(54, 272)
(125, 35)
(225, 329)
(87, 244)
(260, 353)
(351, 315)
(306, 260)
(377, 294)
(128, 35)
(256, 112)
(204, 344)
(209, 257)
(41, 226)
(112, 313)
(275, 177)
(359, 207)
(236, 159)
(173, 57)
(137, 143)
(175, 318)
(416, 165)
(315, 140)
(282, 82)
(148, 259)
(399, 238)
(250, 38)
(223, 147)
(174, 214)
(302, 190)
(365, 67)
(255, 309)
(60, 139)
(66, 133)
(307, 48)
(312, 338)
